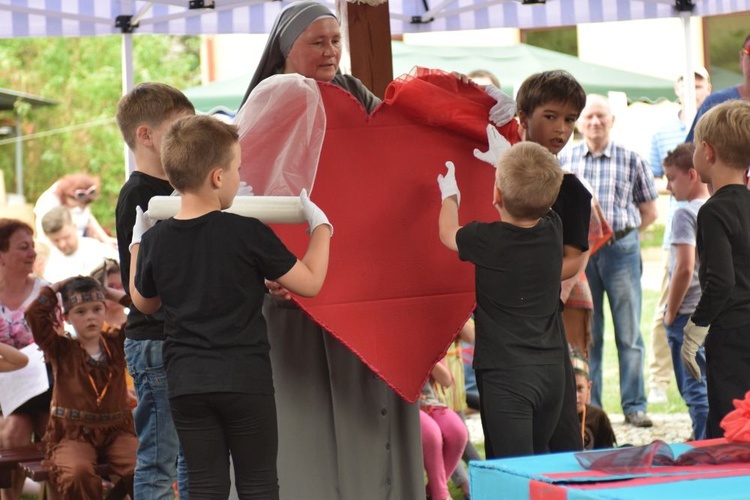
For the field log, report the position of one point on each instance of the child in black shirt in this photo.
(519, 350)
(722, 317)
(144, 114)
(206, 268)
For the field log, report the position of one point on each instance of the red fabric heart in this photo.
(394, 294)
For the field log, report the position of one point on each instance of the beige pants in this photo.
(660, 368)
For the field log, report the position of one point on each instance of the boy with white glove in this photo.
(722, 154)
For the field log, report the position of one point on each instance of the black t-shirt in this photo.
(209, 275)
(517, 273)
(573, 205)
(137, 191)
(723, 244)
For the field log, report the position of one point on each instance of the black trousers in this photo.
(211, 426)
(520, 407)
(567, 435)
(727, 373)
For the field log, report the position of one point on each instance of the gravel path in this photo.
(669, 427)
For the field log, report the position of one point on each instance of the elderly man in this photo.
(668, 137)
(624, 186)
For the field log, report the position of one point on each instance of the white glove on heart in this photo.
(505, 108)
(142, 224)
(245, 189)
(497, 144)
(693, 338)
(447, 183)
(313, 214)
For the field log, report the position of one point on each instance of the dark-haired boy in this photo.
(144, 115)
(549, 104)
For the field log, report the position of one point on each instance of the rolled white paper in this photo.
(268, 209)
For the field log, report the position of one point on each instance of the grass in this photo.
(610, 364)
(653, 236)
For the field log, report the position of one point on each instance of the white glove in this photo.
(142, 224)
(447, 183)
(692, 340)
(313, 214)
(505, 108)
(497, 144)
(245, 189)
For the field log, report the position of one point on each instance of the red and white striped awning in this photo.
(37, 18)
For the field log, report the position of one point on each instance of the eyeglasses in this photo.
(84, 194)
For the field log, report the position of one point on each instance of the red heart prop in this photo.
(394, 294)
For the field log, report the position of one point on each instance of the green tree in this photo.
(725, 35)
(85, 76)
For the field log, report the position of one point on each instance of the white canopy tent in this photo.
(41, 18)
(33, 18)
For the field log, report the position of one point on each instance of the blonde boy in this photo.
(144, 114)
(722, 316)
(206, 268)
(518, 261)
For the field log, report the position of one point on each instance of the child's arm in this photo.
(116, 295)
(574, 261)
(442, 375)
(11, 358)
(143, 304)
(467, 331)
(43, 317)
(682, 276)
(451, 196)
(95, 230)
(306, 277)
(142, 224)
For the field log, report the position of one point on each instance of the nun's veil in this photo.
(289, 24)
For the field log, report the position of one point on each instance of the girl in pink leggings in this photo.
(444, 435)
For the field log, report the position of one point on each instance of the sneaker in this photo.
(657, 395)
(638, 419)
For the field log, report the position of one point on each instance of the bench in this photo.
(11, 457)
(34, 470)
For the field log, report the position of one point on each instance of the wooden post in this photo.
(369, 37)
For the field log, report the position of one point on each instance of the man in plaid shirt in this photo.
(624, 186)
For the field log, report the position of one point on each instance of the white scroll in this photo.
(268, 209)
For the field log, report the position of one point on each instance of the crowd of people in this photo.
(168, 374)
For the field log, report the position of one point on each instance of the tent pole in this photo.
(19, 157)
(127, 85)
(688, 77)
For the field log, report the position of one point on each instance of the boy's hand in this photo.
(505, 108)
(245, 189)
(447, 183)
(142, 224)
(277, 290)
(497, 144)
(693, 339)
(314, 215)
